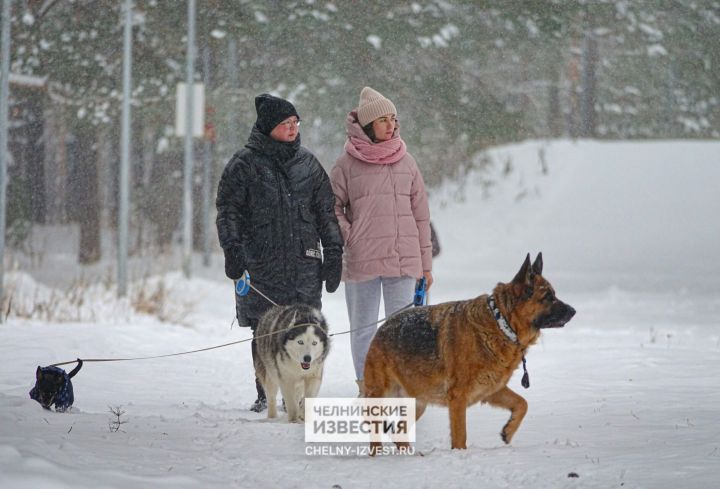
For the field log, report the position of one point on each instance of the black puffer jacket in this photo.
(275, 207)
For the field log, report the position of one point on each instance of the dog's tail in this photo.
(76, 369)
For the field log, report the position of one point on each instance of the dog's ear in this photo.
(537, 265)
(522, 284)
(522, 275)
(38, 373)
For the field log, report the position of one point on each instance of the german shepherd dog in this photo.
(292, 344)
(459, 353)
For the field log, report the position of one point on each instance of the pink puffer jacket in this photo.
(382, 208)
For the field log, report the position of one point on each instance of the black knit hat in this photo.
(271, 111)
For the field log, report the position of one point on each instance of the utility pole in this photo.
(4, 103)
(207, 167)
(190, 110)
(123, 213)
(588, 117)
(234, 84)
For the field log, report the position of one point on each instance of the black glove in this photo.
(332, 269)
(234, 263)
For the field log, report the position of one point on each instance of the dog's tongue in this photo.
(305, 365)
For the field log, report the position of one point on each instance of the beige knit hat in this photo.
(373, 105)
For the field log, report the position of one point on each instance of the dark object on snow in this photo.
(53, 386)
(434, 240)
(573, 475)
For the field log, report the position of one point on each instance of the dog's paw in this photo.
(505, 437)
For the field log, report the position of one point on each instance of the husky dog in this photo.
(292, 344)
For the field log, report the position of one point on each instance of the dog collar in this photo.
(501, 321)
(511, 335)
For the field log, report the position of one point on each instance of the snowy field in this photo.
(626, 395)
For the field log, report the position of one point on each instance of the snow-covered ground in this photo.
(626, 395)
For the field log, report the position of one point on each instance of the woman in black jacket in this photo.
(276, 218)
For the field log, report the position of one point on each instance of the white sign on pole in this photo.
(198, 118)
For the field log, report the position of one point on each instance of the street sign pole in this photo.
(4, 103)
(189, 111)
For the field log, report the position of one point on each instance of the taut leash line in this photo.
(151, 357)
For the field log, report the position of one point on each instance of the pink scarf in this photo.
(359, 146)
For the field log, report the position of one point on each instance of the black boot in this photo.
(260, 403)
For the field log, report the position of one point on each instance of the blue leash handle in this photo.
(242, 286)
(420, 297)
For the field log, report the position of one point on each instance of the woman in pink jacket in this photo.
(382, 209)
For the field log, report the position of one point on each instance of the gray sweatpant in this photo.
(363, 303)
